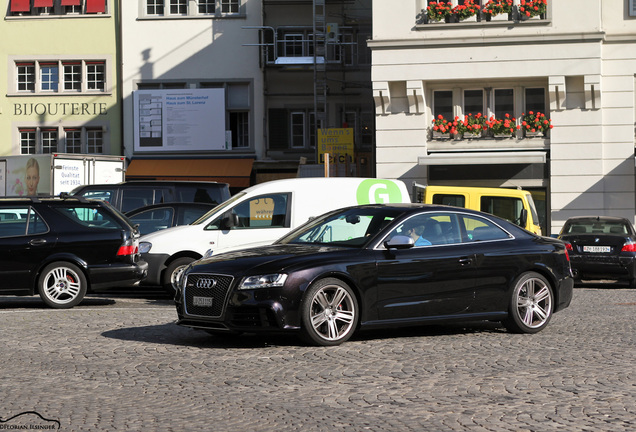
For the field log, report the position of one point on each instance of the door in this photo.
(257, 221)
(431, 280)
(25, 241)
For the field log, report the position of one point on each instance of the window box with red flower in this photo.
(438, 12)
(535, 124)
(498, 10)
(474, 125)
(505, 127)
(469, 11)
(532, 8)
(446, 129)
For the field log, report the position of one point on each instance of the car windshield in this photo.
(596, 226)
(218, 208)
(352, 227)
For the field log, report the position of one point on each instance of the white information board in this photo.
(179, 120)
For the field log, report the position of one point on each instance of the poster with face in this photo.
(28, 175)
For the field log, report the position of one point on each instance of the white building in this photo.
(576, 63)
(185, 65)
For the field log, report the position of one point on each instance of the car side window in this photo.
(21, 221)
(153, 220)
(264, 211)
(135, 198)
(89, 216)
(479, 229)
(103, 194)
(431, 229)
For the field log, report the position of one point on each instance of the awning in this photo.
(485, 158)
(71, 2)
(42, 3)
(235, 172)
(95, 6)
(20, 6)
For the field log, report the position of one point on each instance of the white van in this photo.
(257, 216)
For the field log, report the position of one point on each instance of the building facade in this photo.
(575, 63)
(59, 80)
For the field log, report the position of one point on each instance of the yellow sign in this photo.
(261, 209)
(338, 142)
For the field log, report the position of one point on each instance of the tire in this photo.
(62, 285)
(329, 313)
(172, 272)
(531, 304)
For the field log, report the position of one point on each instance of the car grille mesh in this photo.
(205, 294)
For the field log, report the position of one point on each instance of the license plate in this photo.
(202, 301)
(597, 249)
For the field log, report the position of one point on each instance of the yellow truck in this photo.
(515, 205)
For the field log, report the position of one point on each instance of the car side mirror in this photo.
(523, 219)
(399, 242)
(229, 221)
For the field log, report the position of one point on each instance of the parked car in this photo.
(131, 195)
(360, 267)
(63, 247)
(156, 217)
(257, 216)
(601, 247)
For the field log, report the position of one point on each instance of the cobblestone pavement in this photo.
(119, 363)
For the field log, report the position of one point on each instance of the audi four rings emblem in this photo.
(206, 283)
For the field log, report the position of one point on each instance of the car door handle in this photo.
(37, 242)
(465, 261)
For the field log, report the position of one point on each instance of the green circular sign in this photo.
(374, 191)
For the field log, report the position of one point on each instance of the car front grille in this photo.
(205, 294)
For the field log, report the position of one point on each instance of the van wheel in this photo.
(172, 273)
(62, 285)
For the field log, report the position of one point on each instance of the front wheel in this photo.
(172, 273)
(531, 304)
(62, 285)
(329, 313)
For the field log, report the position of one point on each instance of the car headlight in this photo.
(144, 247)
(263, 281)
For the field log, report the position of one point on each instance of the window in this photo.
(57, 7)
(443, 104)
(159, 8)
(60, 76)
(27, 141)
(178, 7)
(504, 207)
(26, 76)
(430, 229)
(89, 216)
(504, 103)
(94, 141)
(49, 141)
(72, 75)
(229, 6)
(206, 6)
(239, 126)
(265, 211)
(535, 100)
(450, 199)
(473, 102)
(298, 129)
(73, 140)
(479, 229)
(19, 221)
(49, 76)
(294, 45)
(95, 76)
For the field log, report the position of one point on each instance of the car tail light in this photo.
(568, 247)
(567, 255)
(629, 247)
(130, 247)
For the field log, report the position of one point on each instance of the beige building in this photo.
(575, 63)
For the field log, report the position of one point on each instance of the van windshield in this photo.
(219, 208)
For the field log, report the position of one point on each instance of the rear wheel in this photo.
(329, 313)
(62, 285)
(172, 273)
(531, 304)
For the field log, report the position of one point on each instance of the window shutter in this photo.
(42, 3)
(71, 2)
(278, 129)
(95, 6)
(20, 6)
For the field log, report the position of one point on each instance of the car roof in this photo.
(176, 204)
(596, 218)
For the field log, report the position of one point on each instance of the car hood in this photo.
(172, 231)
(270, 258)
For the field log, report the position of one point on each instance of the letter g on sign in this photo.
(373, 191)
